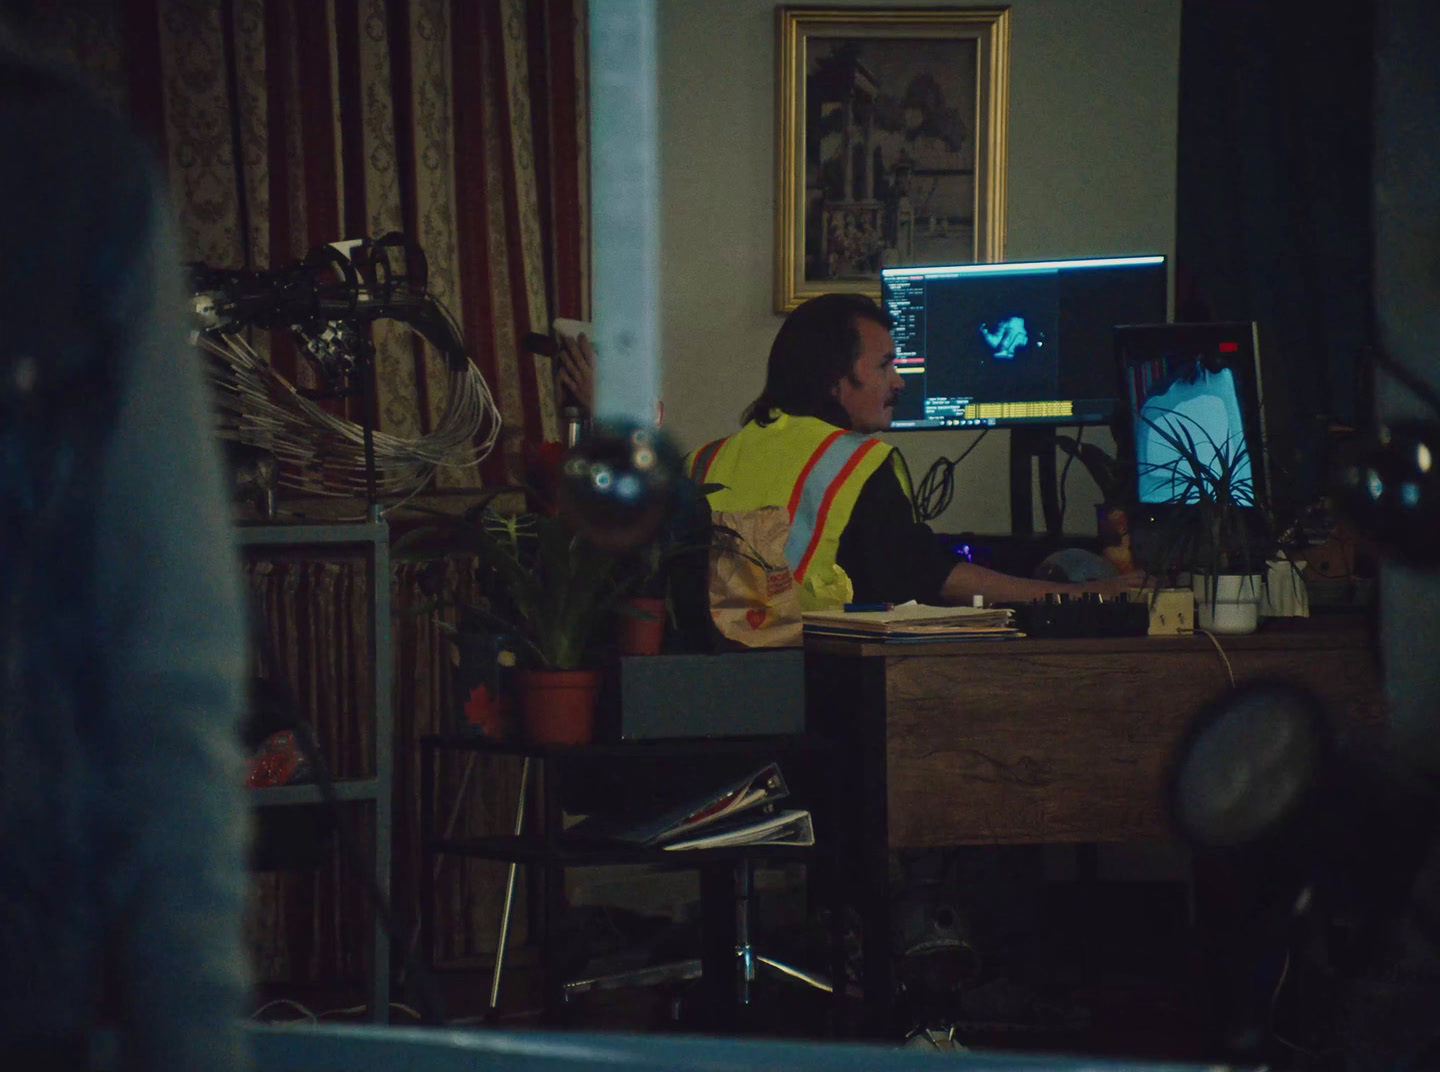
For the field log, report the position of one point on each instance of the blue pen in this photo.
(851, 608)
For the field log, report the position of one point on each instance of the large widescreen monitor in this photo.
(1017, 343)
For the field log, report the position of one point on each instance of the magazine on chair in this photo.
(741, 811)
(789, 827)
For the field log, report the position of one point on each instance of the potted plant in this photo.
(676, 556)
(550, 590)
(645, 610)
(1217, 532)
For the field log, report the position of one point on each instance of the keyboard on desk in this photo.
(1088, 615)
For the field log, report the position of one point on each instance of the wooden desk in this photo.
(1036, 741)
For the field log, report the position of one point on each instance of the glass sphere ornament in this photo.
(618, 483)
(1393, 493)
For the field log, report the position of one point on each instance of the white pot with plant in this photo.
(1228, 603)
(1217, 532)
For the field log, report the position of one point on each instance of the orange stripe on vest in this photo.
(823, 512)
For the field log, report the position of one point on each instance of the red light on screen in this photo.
(1229, 347)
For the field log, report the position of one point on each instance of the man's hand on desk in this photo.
(967, 580)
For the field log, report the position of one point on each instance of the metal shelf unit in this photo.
(374, 537)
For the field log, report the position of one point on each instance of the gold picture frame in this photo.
(890, 143)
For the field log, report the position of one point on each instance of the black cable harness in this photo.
(937, 486)
(1065, 469)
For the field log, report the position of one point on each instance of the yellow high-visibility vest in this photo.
(812, 468)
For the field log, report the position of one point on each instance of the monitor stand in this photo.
(1037, 443)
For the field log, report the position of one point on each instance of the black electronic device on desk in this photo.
(1088, 615)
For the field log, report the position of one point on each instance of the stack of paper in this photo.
(913, 622)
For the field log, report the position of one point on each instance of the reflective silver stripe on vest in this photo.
(802, 525)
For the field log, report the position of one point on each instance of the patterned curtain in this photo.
(313, 926)
(285, 124)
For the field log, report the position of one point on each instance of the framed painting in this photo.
(890, 143)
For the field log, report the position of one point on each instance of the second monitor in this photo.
(1018, 343)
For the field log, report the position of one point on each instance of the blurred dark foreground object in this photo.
(1392, 492)
(1330, 934)
(617, 484)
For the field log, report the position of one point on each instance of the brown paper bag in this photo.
(754, 601)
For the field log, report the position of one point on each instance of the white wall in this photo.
(1093, 88)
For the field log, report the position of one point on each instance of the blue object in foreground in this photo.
(309, 1048)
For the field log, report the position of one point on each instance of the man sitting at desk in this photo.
(808, 443)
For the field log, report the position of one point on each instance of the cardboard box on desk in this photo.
(735, 694)
(1172, 610)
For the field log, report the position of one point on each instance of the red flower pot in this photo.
(643, 635)
(559, 705)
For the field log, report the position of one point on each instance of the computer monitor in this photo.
(1024, 344)
(1015, 344)
(1199, 384)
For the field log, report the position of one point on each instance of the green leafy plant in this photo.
(546, 585)
(1217, 527)
(645, 571)
(557, 593)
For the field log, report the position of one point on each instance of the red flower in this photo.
(487, 712)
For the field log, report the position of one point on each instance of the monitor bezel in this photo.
(1050, 265)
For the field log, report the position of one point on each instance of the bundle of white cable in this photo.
(321, 453)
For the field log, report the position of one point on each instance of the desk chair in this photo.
(726, 890)
(719, 946)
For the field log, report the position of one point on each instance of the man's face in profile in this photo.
(869, 393)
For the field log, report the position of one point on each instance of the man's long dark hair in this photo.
(816, 346)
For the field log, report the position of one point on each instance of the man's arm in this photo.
(890, 557)
(967, 580)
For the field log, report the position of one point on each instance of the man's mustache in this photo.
(894, 399)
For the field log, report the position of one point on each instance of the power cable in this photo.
(1230, 670)
(327, 302)
(937, 486)
(1065, 471)
(325, 454)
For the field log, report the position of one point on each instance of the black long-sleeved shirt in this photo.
(889, 556)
